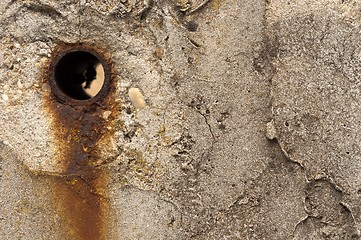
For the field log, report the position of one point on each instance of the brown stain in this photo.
(77, 127)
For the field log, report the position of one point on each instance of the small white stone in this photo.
(136, 97)
(5, 97)
(106, 114)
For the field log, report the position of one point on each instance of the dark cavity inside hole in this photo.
(79, 75)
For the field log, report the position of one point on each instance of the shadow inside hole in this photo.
(79, 75)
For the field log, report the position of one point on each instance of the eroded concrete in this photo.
(316, 100)
(199, 161)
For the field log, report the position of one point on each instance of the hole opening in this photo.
(79, 75)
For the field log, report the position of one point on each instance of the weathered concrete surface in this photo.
(316, 106)
(195, 163)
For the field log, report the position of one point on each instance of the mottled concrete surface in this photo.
(251, 129)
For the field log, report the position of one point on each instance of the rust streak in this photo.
(77, 127)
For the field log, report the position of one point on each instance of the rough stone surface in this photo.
(251, 127)
(316, 102)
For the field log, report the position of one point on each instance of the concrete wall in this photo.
(250, 127)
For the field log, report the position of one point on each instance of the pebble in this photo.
(137, 98)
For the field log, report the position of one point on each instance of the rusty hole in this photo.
(79, 75)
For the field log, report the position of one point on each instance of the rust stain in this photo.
(77, 126)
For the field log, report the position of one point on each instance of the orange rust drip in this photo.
(81, 209)
(77, 190)
(79, 202)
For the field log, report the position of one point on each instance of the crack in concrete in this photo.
(302, 221)
(287, 156)
(348, 208)
(322, 176)
(269, 56)
(209, 127)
